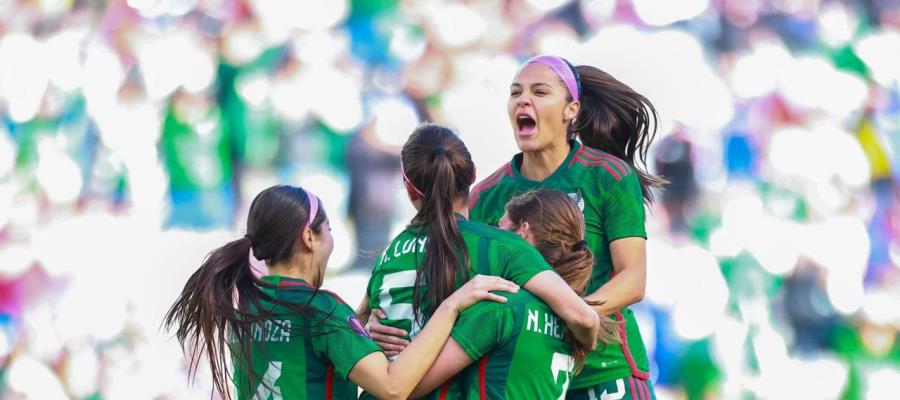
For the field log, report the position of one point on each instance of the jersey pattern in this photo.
(608, 192)
(518, 350)
(491, 252)
(303, 356)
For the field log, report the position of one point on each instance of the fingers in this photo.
(490, 283)
(493, 297)
(388, 338)
(377, 327)
(389, 343)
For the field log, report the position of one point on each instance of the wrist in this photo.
(450, 306)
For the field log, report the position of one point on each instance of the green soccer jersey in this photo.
(304, 356)
(608, 192)
(518, 350)
(491, 252)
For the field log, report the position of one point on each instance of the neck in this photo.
(540, 164)
(460, 206)
(293, 269)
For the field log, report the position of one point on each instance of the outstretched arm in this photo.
(396, 380)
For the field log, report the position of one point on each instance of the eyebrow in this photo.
(532, 85)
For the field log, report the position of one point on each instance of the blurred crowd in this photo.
(133, 134)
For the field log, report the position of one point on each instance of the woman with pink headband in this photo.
(584, 133)
(285, 337)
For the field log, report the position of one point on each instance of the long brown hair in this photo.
(618, 120)
(438, 164)
(208, 319)
(557, 227)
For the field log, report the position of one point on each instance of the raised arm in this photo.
(629, 259)
(580, 318)
(396, 380)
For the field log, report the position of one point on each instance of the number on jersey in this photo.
(562, 363)
(267, 389)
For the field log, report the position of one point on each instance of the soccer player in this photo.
(287, 338)
(441, 249)
(521, 348)
(551, 104)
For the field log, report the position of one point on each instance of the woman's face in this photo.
(522, 229)
(538, 108)
(323, 246)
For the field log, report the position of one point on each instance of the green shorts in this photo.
(629, 388)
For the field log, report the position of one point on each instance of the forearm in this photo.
(623, 290)
(579, 316)
(451, 360)
(412, 364)
(362, 312)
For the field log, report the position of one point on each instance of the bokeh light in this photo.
(135, 134)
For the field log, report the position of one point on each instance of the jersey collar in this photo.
(283, 281)
(516, 166)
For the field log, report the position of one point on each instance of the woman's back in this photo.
(491, 252)
(518, 347)
(303, 355)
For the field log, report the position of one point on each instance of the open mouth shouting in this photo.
(525, 124)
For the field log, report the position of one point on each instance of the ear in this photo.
(571, 110)
(525, 232)
(306, 238)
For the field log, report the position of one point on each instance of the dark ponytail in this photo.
(438, 164)
(557, 227)
(222, 300)
(618, 120)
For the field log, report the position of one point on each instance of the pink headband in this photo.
(313, 208)
(406, 179)
(562, 69)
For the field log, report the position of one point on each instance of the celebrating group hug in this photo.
(515, 288)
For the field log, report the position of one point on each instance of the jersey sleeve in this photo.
(623, 207)
(519, 261)
(481, 328)
(343, 340)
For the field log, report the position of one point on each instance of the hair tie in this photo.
(579, 244)
(408, 181)
(248, 237)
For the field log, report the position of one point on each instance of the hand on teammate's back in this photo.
(390, 339)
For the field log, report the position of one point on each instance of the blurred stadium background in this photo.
(134, 133)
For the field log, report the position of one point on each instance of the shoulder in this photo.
(491, 182)
(495, 235)
(601, 164)
(513, 305)
(321, 299)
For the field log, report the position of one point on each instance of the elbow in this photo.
(392, 392)
(639, 293)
